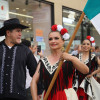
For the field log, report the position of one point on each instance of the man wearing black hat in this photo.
(14, 57)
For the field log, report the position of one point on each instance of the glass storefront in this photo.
(70, 19)
(32, 14)
(36, 15)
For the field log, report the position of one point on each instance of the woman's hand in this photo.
(80, 66)
(40, 54)
(98, 59)
(66, 56)
(39, 97)
(89, 76)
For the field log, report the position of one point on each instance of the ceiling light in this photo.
(65, 11)
(26, 21)
(17, 8)
(22, 21)
(24, 9)
(70, 24)
(21, 15)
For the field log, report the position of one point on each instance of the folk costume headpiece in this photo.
(63, 31)
(91, 39)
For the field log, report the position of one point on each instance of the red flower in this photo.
(88, 37)
(63, 31)
(93, 41)
(54, 27)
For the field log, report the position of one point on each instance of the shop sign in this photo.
(39, 32)
(39, 39)
(4, 10)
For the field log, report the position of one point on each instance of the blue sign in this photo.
(39, 39)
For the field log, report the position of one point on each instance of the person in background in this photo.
(91, 61)
(62, 89)
(34, 49)
(35, 52)
(28, 77)
(92, 49)
(14, 57)
(77, 50)
(97, 51)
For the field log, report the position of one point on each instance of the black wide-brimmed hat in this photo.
(11, 24)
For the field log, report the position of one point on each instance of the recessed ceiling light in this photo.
(22, 21)
(24, 9)
(17, 8)
(26, 21)
(21, 15)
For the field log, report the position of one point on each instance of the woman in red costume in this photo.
(91, 61)
(62, 89)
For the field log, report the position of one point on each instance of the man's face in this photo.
(34, 49)
(15, 35)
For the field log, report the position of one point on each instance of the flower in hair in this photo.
(88, 37)
(93, 44)
(63, 31)
(66, 36)
(92, 40)
(59, 28)
(54, 27)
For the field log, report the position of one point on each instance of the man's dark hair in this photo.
(97, 47)
(26, 42)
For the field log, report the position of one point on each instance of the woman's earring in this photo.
(63, 49)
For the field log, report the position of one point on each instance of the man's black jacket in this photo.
(13, 62)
